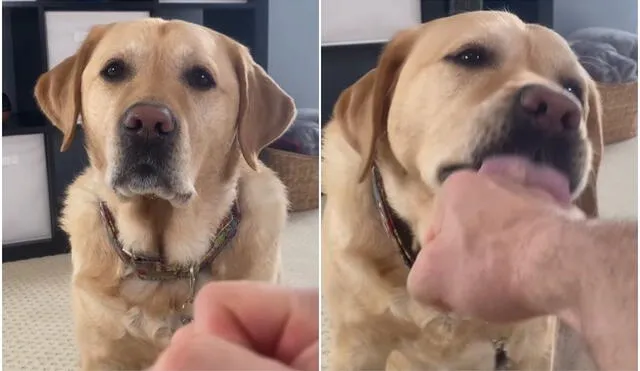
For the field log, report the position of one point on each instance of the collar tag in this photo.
(193, 276)
(502, 361)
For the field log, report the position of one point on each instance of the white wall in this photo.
(293, 49)
(366, 21)
(571, 15)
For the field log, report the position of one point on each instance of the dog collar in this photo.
(395, 227)
(155, 268)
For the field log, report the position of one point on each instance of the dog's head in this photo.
(164, 103)
(452, 92)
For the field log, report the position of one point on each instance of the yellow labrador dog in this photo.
(174, 116)
(445, 95)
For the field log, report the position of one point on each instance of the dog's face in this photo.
(164, 103)
(452, 92)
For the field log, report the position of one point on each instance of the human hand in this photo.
(247, 326)
(491, 250)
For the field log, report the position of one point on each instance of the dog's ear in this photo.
(265, 111)
(58, 91)
(362, 110)
(588, 201)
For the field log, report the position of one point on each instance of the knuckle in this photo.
(179, 353)
(212, 293)
(183, 335)
(460, 180)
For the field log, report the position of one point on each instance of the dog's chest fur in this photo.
(106, 289)
(123, 322)
(158, 311)
(157, 308)
(148, 309)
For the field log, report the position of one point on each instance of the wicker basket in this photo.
(620, 111)
(299, 173)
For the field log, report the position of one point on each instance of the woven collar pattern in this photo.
(395, 227)
(155, 268)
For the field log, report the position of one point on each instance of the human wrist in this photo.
(577, 246)
(606, 314)
(547, 270)
(577, 271)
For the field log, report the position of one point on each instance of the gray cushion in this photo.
(610, 56)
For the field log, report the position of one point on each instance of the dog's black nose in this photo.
(552, 111)
(150, 121)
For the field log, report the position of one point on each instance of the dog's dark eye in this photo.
(116, 70)
(474, 56)
(573, 87)
(199, 78)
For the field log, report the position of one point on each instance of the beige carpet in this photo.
(36, 318)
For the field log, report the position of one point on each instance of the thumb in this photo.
(193, 350)
(427, 281)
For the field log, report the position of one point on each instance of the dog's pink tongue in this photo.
(529, 174)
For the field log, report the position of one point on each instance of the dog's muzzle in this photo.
(148, 135)
(543, 125)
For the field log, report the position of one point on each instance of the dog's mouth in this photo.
(148, 179)
(537, 157)
(565, 154)
(542, 177)
(559, 178)
(446, 170)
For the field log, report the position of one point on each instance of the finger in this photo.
(193, 350)
(308, 360)
(459, 180)
(458, 189)
(275, 321)
(449, 190)
(436, 222)
(428, 279)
